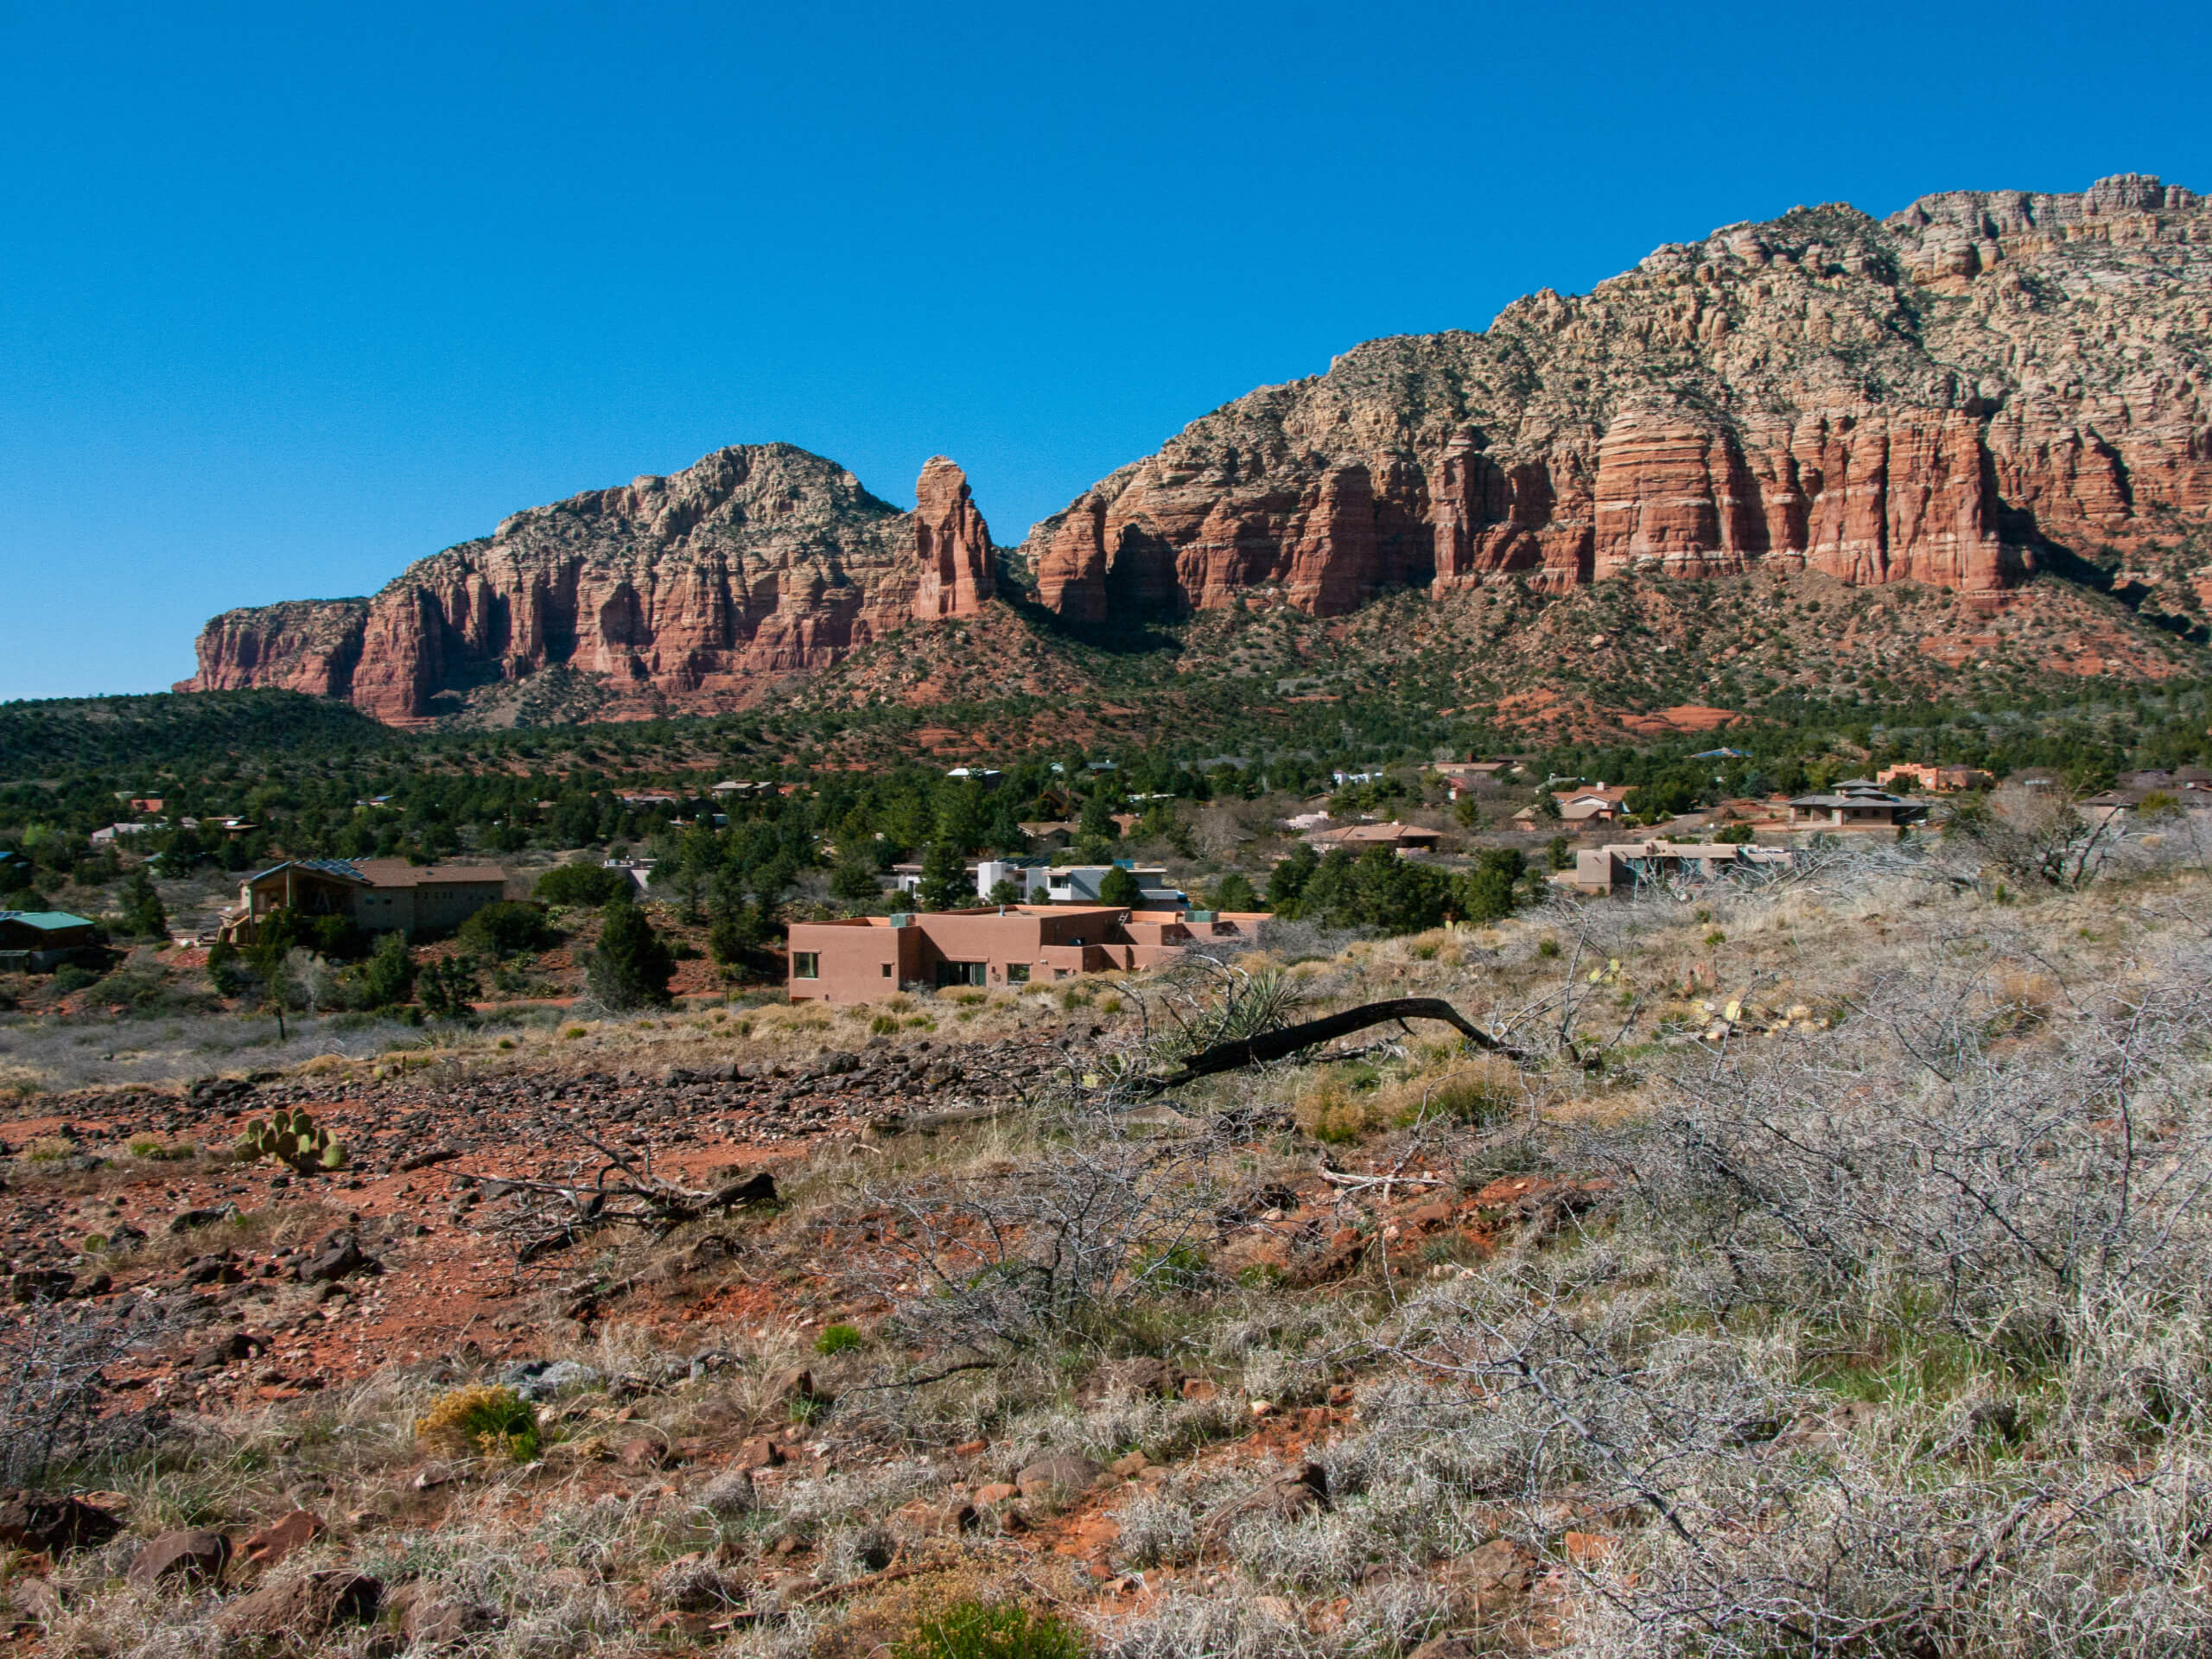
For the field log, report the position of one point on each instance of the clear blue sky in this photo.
(290, 295)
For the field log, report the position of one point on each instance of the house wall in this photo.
(852, 956)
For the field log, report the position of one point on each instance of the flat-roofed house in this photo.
(863, 957)
(378, 895)
(1631, 864)
(1939, 780)
(36, 941)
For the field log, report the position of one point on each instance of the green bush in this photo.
(973, 1629)
(388, 977)
(70, 977)
(484, 1420)
(631, 966)
(505, 929)
(837, 1339)
(585, 887)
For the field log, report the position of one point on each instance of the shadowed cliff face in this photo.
(1947, 397)
(704, 589)
(1931, 399)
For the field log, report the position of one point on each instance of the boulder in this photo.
(193, 1555)
(337, 1257)
(1057, 1474)
(47, 1523)
(302, 1610)
(436, 1617)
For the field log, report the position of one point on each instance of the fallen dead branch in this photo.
(1286, 1041)
(621, 1192)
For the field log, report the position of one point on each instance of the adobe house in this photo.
(1937, 780)
(38, 941)
(380, 895)
(863, 957)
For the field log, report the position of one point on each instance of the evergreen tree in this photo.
(142, 906)
(632, 966)
(1118, 888)
(1234, 891)
(944, 884)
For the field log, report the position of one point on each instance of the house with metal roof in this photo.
(39, 941)
(1855, 804)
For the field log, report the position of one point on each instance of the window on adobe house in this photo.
(1017, 973)
(886, 971)
(806, 964)
(961, 973)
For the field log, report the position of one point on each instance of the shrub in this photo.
(506, 929)
(70, 977)
(486, 1421)
(978, 1631)
(388, 977)
(837, 1339)
(584, 885)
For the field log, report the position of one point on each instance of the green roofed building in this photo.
(39, 941)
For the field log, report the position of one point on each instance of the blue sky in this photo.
(292, 295)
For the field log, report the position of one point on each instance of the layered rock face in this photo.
(952, 542)
(1942, 397)
(699, 590)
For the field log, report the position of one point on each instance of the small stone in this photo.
(1130, 1465)
(280, 1537)
(642, 1453)
(970, 1448)
(1200, 1388)
(760, 1452)
(997, 1492)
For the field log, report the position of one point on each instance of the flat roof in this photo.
(46, 921)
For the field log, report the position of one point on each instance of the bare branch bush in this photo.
(54, 1404)
(1009, 1258)
(1891, 1343)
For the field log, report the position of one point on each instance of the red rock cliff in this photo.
(1941, 398)
(702, 590)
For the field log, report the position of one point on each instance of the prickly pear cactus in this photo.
(294, 1137)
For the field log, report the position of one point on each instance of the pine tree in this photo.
(632, 966)
(945, 881)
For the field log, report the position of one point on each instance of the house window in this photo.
(1017, 973)
(806, 964)
(886, 971)
(961, 973)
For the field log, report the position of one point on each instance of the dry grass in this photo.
(1856, 1348)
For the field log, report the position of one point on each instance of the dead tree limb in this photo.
(553, 1214)
(1288, 1040)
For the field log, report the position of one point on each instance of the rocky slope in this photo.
(1981, 384)
(701, 590)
